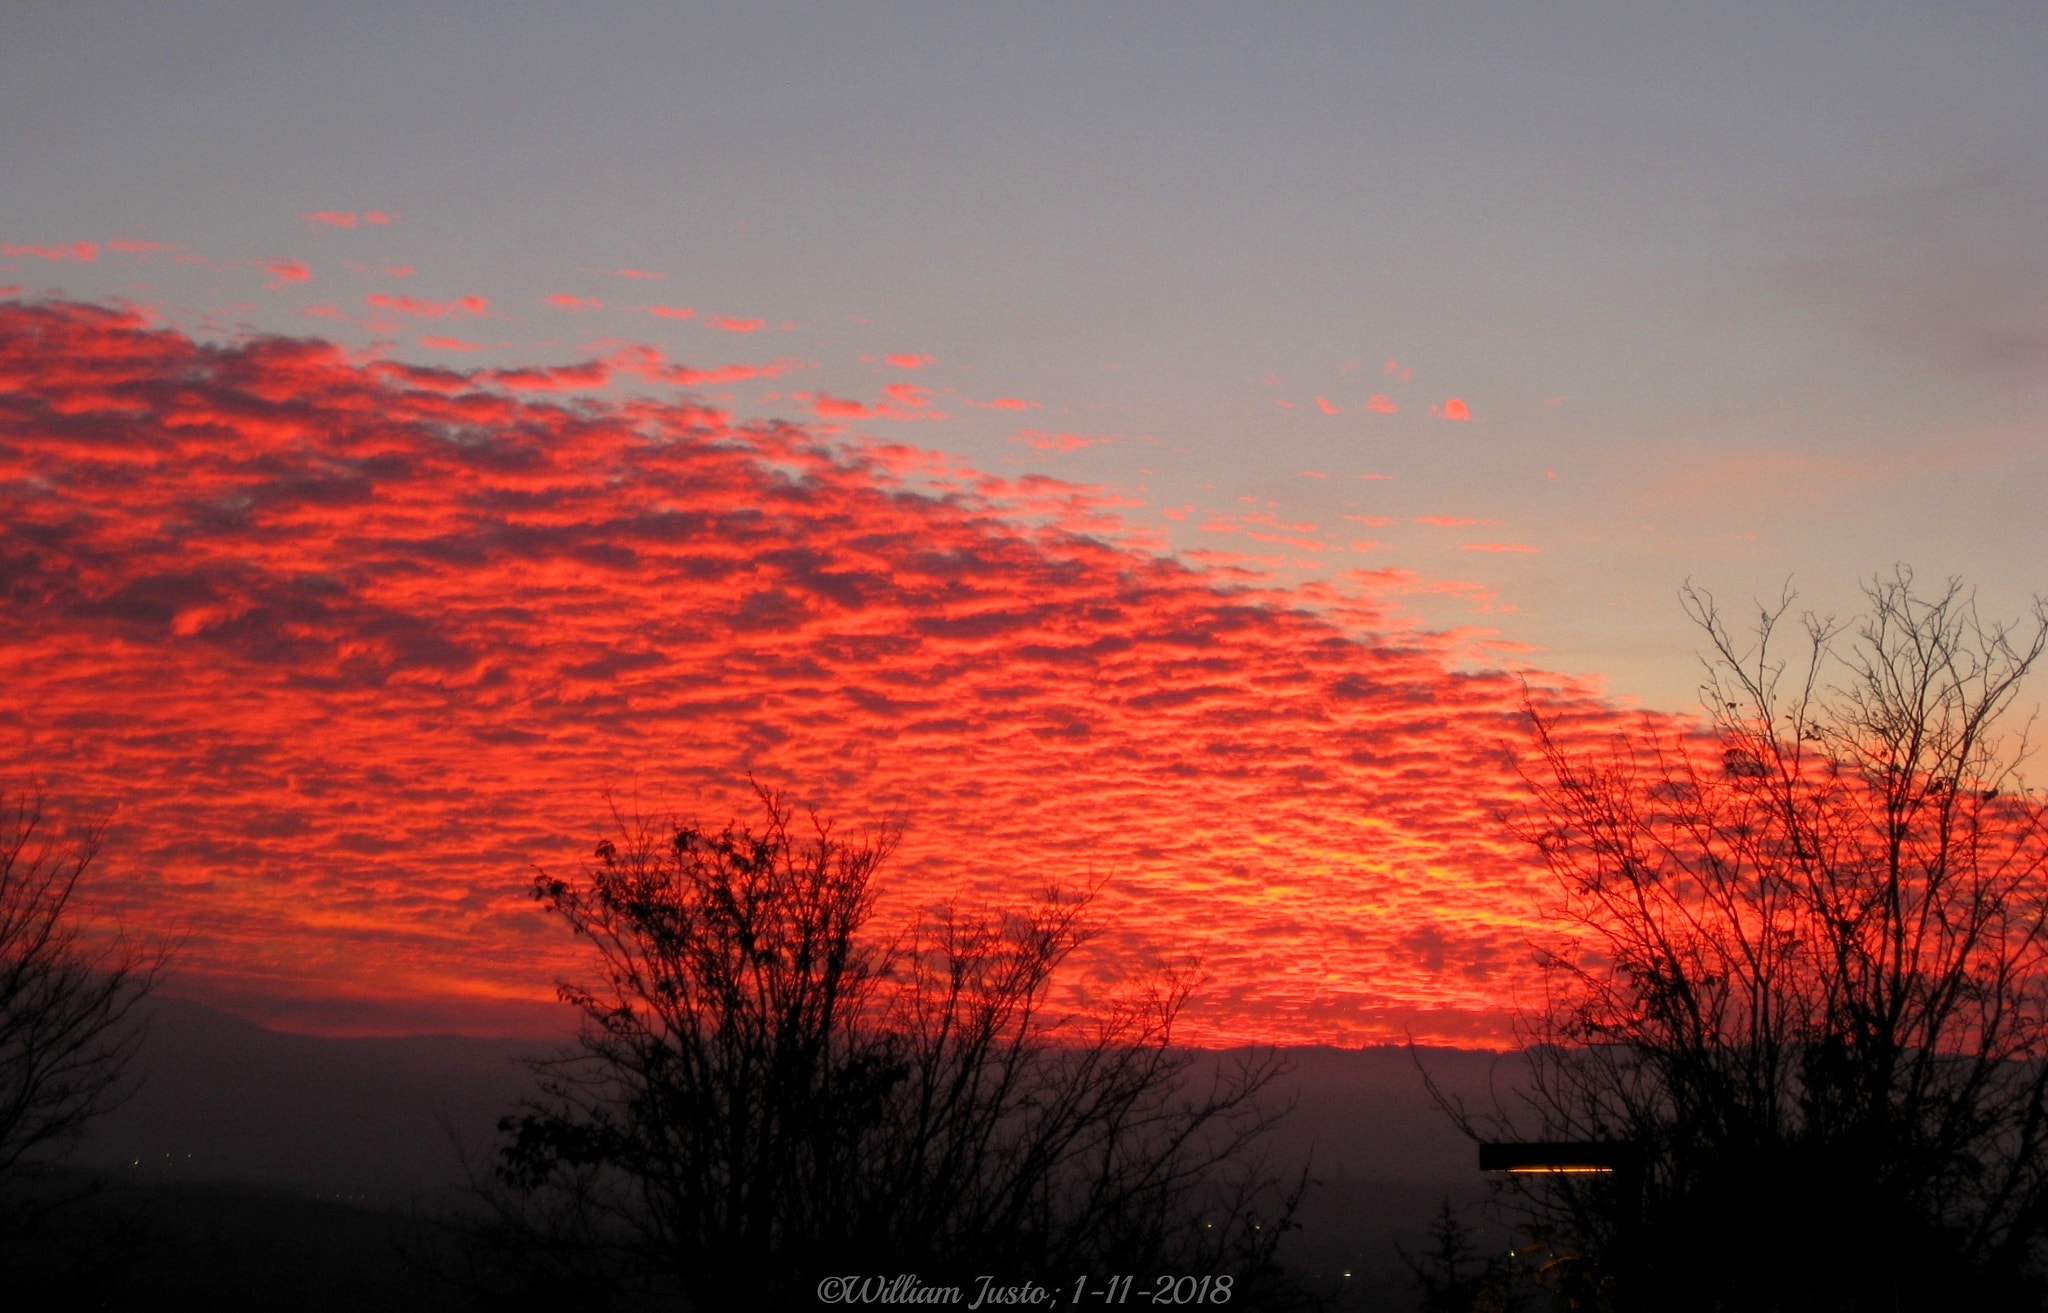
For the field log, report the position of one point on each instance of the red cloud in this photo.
(386, 633)
(1006, 403)
(644, 362)
(406, 305)
(1453, 409)
(672, 311)
(346, 218)
(142, 248)
(687, 377)
(908, 361)
(1044, 441)
(1395, 369)
(839, 408)
(905, 401)
(283, 273)
(1327, 408)
(733, 325)
(629, 273)
(1381, 404)
(575, 302)
(1450, 521)
(1500, 547)
(449, 344)
(83, 252)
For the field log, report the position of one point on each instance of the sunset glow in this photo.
(347, 647)
(1149, 463)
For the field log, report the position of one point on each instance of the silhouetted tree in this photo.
(1810, 976)
(68, 1028)
(1453, 1275)
(764, 1097)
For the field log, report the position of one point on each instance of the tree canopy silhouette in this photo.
(67, 1010)
(765, 1096)
(1809, 976)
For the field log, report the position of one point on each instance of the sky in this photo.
(1159, 442)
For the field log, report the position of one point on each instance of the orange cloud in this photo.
(730, 324)
(1395, 369)
(283, 273)
(1381, 404)
(82, 252)
(629, 273)
(142, 248)
(346, 218)
(832, 407)
(906, 361)
(1006, 403)
(568, 302)
(1499, 547)
(648, 363)
(1326, 407)
(1450, 521)
(406, 305)
(904, 401)
(672, 311)
(383, 634)
(1453, 409)
(1045, 441)
(449, 344)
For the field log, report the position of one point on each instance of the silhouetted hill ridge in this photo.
(225, 1100)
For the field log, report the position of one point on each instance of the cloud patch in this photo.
(78, 252)
(422, 309)
(350, 646)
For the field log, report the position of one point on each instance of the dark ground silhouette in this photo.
(256, 1169)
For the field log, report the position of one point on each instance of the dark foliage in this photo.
(68, 1029)
(1454, 1276)
(764, 1097)
(1810, 979)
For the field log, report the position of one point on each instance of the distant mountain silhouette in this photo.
(381, 1123)
(366, 1120)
